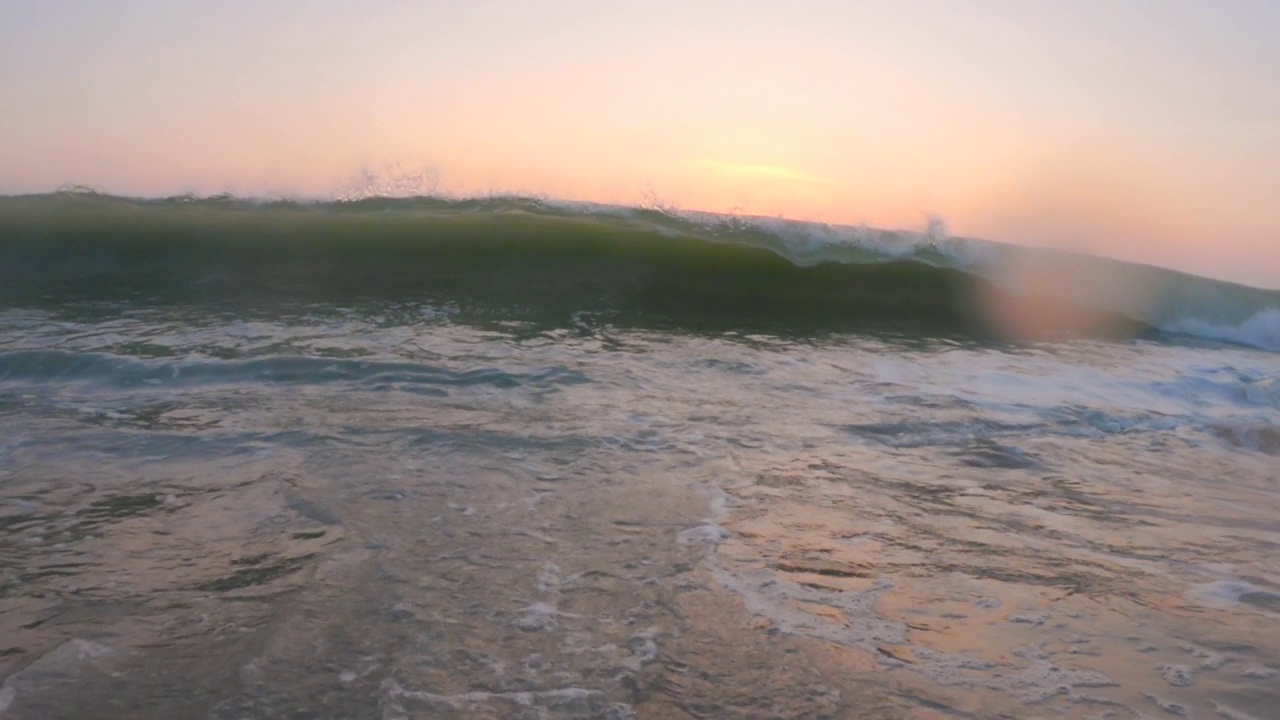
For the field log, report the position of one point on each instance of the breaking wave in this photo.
(522, 255)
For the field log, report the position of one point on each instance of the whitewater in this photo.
(510, 458)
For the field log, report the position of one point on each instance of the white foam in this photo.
(549, 578)
(1042, 680)
(1221, 593)
(767, 595)
(709, 534)
(1176, 675)
(1169, 706)
(82, 650)
(577, 701)
(947, 668)
(1036, 619)
(1209, 660)
(1231, 713)
(538, 617)
(1260, 330)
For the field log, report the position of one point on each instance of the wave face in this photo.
(551, 260)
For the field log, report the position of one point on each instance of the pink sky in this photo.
(1144, 130)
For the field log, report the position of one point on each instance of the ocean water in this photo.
(511, 459)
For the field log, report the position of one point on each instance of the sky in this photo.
(1147, 130)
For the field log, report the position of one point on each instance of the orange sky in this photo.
(1143, 130)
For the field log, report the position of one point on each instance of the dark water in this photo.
(390, 501)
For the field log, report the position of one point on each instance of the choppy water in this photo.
(386, 509)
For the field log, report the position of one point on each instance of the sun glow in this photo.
(765, 173)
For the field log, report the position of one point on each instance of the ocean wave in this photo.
(516, 254)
